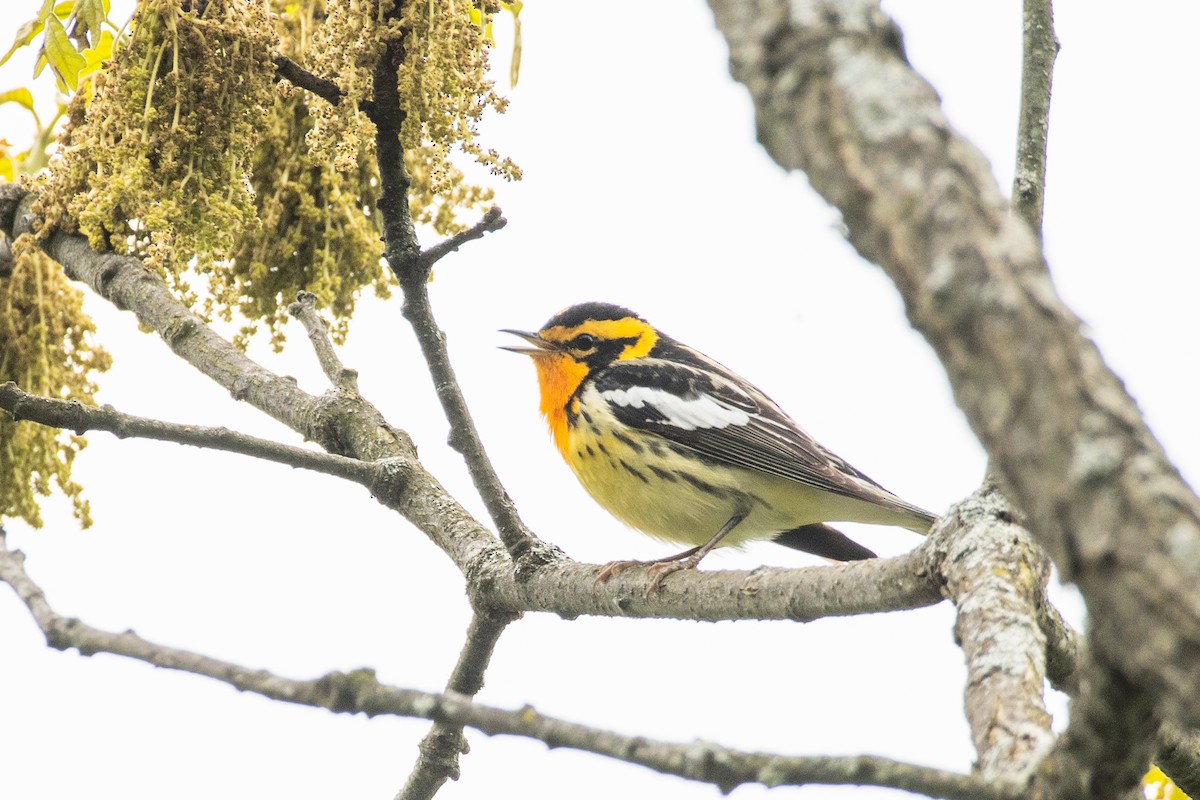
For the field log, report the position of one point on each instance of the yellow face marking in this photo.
(608, 329)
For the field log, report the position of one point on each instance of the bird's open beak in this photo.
(540, 345)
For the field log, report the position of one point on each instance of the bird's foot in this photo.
(660, 568)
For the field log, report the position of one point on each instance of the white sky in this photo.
(644, 186)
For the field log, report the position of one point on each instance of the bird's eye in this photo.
(584, 341)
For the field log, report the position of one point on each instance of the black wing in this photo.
(705, 408)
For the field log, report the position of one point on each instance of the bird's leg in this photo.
(660, 568)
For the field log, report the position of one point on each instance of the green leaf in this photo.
(25, 35)
(27, 32)
(96, 56)
(91, 15)
(61, 55)
(22, 97)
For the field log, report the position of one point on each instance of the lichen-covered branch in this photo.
(835, 97)
(1107, 748)
(996, 577)
(359, 692)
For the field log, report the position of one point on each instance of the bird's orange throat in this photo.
(559, 376)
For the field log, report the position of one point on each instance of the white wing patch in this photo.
(689, 414)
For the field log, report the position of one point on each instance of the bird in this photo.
(678, 446)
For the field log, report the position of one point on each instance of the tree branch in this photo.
(341, 422)
(1107, 748)
(1064, 648)
(75, 416)
(439, 750)
(1179, 757)
(836, 98)
(1040, 48)
(568, 590)
(305, 310)
(359, 692)
(349, 424)
(464, 438)
(298, 75)
(492, 221)
(411, 267)
(996, 576)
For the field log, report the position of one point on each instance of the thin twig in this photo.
(493, 220)
(298, 75)
(305, 310)
(1063, 649)
(75, 416)
(439, 750)
(1039, 49)
(360, 692)
(463, 435)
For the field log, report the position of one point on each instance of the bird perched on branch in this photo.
(676, 445)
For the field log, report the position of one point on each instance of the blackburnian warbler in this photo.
(676, 445)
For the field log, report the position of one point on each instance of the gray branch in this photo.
(439, 750)
(492, 221)
(359, 692)
(996, 576)
(1179, 757)
(835, 97)
(77, 417)
(412, 270)
(340, 422)
(305, 310)
(1039, 50)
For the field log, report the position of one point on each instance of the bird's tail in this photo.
(822, 540)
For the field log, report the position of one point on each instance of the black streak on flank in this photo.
(701, 485)
(633, 471)
(630, 443)
(664, 474)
